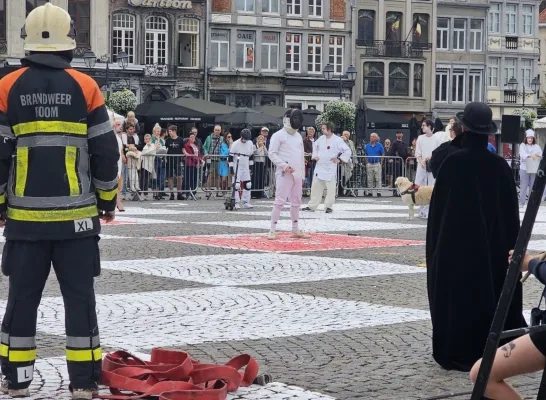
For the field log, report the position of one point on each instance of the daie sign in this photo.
(177, 4)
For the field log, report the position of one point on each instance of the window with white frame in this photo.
(244, 50)
(399, 79)
(527, 19)
(493, 65)
(526, 67)
(335, 53)
(476, 34)
(293, 52)
(494, 18)
(442, 34)
(315, 8)
(475, 85)
(509, 70)
(188, 42)
(442, 86)
(270, 6)
(123, 35)
(156, 46)
(270, 51)
(510, 17)
(293, 7)
(314, 54)
(457, 86)
(244, 5)
(459, 34)
(219, 49)
(373, 78)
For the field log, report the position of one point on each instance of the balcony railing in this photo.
(387, 48)
(510, 96)
(511, 43)
(161, 71)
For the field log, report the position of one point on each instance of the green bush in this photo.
(341, 113)
(122, 102)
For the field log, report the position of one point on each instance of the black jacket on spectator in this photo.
(399, 148)
(441, 152)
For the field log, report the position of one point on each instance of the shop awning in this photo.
(202, 106)
(381, 120)
(163, 111)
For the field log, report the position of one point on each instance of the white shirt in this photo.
(443, 136)
(246, 148)
(324, 149)
(525, 150)
(426, 145)
(287, 150)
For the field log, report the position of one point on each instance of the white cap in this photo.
(265, 129)
(529, 133)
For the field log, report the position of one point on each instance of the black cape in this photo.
(473, 222)
(441, 152)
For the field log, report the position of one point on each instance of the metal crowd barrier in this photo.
(169, 176)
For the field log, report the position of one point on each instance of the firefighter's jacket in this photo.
(58, 152)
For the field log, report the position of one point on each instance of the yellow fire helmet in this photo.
(49, 28)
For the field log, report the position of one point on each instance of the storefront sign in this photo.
(245, 36)
(174, 4)
(270, 37)
(219, 35)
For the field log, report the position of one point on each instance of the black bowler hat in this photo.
(477, 117)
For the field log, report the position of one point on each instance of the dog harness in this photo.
(411, 191)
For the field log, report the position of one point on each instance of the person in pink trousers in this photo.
(286, 153)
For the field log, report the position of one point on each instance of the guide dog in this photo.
(412, 194)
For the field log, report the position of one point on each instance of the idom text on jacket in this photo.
(58, 153)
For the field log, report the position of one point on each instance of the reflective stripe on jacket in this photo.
(59, 154)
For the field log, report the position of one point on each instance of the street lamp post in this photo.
(349, 76)
(90, 60)
(513, 85)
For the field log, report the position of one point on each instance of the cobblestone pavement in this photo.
(343, 315)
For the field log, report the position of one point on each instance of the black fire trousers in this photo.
(27, 264)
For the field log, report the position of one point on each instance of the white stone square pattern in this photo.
(259, 269)
(190, 316)
(160, 211)
(51, 382)
(316, 225)
(141, 221)
(537, 245)
(539, 228)
(335, 215)
(345, 206)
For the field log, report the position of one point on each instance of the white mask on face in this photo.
(287, 127)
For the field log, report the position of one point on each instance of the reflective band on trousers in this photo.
(52, 215)
(18, 342)
(50, 202)
(52, 141)
(21, 171)
(71, 173)
(84, 355)
(27, 128)
(82, 342)
(17, 355)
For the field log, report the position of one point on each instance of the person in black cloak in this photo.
(441, 152)
(473, 223)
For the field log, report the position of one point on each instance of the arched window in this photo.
(188, 42)
(156, 48)
(123, 35)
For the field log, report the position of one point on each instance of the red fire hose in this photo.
(173, 375)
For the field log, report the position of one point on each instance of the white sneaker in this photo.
(299, 235)
(248, 205)
(272, 235)
(83, 394)
(237, 206)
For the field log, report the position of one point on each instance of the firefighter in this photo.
(58, 176)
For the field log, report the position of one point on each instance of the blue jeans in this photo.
(158, 184)
(124, 179)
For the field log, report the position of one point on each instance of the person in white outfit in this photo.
(426, 144)
(529, 157)
(286, 153)
(242, 150)
(328, 151)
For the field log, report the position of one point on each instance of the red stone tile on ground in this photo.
(117, 222)
(285, 244)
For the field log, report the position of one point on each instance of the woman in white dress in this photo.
(117, 127)
(426, 144)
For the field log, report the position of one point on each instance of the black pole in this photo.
(340, 87)
(511, 281)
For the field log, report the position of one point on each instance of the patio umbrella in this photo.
(310, 116)
(158, 111)
(248, 117)
(361, 120)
